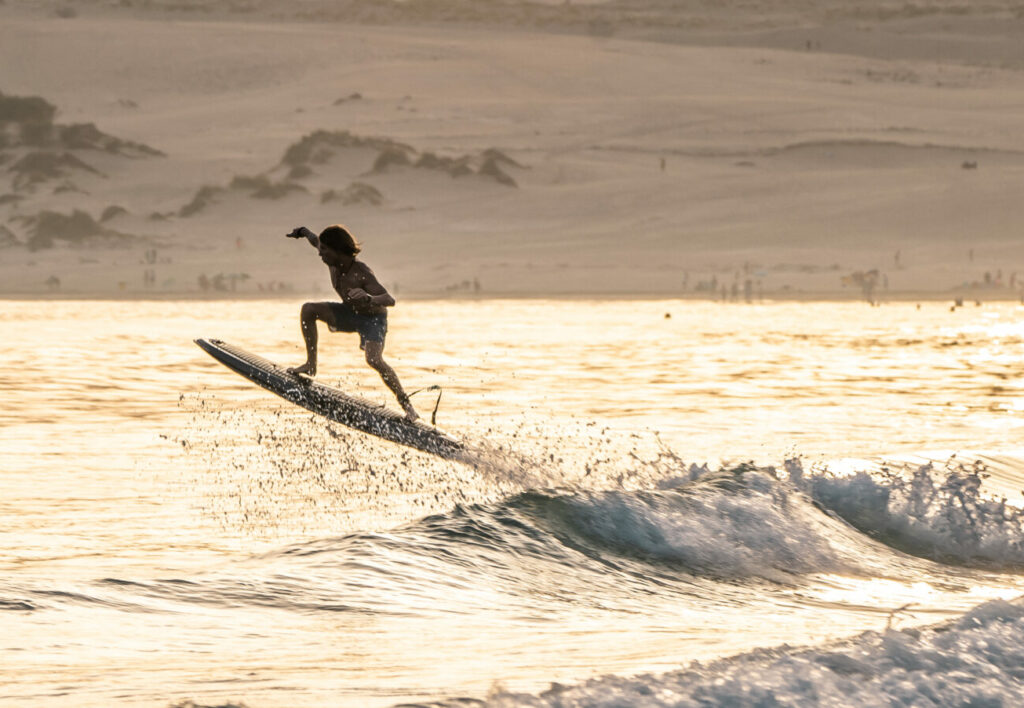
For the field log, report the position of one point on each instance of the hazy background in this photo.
(773, 148)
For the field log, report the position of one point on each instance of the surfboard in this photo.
(334, 404)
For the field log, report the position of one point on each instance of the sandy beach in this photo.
(155, 149)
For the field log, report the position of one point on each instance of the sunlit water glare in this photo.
(171, 532)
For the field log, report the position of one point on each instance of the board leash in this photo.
(437, 403)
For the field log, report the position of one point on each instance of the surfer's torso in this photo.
(357, 275)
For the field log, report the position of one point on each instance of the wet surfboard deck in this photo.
(334, 404)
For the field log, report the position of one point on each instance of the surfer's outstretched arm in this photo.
(303, 232)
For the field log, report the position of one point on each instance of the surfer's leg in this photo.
(310, 313)
(375, 358)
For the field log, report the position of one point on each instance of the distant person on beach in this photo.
(363, 307)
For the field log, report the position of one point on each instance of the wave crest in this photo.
(939, 514)
(734, 523)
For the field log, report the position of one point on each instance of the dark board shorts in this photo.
(370, 327)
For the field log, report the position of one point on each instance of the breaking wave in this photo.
(973, 661)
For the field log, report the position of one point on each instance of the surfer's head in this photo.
(339, 239)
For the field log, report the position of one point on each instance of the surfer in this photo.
(363, 307)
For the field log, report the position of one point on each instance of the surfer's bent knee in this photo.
(312, 311)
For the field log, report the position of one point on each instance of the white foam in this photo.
(977, 660)
(741, 523)
(939, 513)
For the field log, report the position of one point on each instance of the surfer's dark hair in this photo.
(338, 238)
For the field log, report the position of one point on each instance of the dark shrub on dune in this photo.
(112, 212)
(461, 166)
(86, 136)
(430, 161)
(49, 226)
(35, 167)
(391, 158)
(261, 187)
(203, 198)
(455, 166)
(303, 151)
(76, 229)
(300, 172)
(355, 193)
(249, 184)
(278, 190)
(68, 186)
(319, 146)
(26, 110)
(491, 169)
(493, 154)
(81, 136)
(33, 135)
(28, 120)
(7, 238)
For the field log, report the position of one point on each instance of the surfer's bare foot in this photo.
(410, 413)
(308, 369)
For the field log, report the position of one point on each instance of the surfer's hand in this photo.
(358, 296)
(297, 232)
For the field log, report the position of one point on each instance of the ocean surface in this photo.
(674, 503)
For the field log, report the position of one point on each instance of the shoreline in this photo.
(808, 296)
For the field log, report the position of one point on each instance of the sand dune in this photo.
(532, 156)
